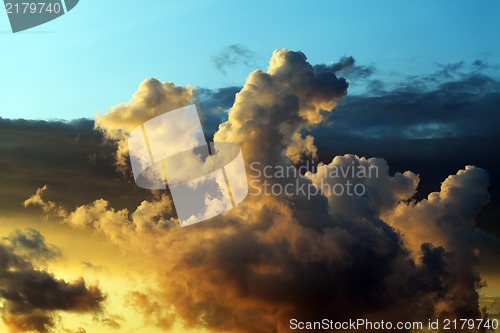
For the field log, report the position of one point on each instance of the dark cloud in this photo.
(448, 71)
(30, 243)
(34, 153)
(430, 130)
(347, 67)
(445, 74)
(275, 258)
(481, 65)
(79, 330)
(233, 55)
(213, 106)
(385, 255)
(32, 296)
(90, 266)
(461, 108)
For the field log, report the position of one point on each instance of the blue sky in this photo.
(95, 56)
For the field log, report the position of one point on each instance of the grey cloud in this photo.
(430, 129)
(454, 109)
(213, 106)
(277, 257)
(274, 258)
(444, 74)
(30, 243)
(34, 153)
(31, 295)
(347, 67)
(233, 55)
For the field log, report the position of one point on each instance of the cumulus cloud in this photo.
(274, 106)
(151, 99)
(457, 109)
(432, 124)
(32, 296)
(384, 192)
(445, 216)
(446, 220)
(274, 258)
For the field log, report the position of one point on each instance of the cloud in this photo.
(446, 220)
(233, 55)
(346, 66)
(153, 310)
(274, 105)
(31, 244)
(34, 153)
(457, 109)
(151, 99)
(433, 129)
(445, 216)
(113, 321)
(31, 295)
(47, 206)
(213, 106)
(451, 75)
(274, 258)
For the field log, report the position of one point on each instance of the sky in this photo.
(409, 88)
(111, 46)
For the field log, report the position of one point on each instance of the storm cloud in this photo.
(233, 55)
(274, 258)
(31, 295)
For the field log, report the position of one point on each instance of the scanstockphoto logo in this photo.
(309, 180)
(25, 15)
(204, 180)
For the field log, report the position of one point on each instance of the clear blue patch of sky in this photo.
(95, 56)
